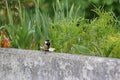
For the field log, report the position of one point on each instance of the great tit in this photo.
(46, 46)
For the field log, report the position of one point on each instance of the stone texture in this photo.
(16, 64)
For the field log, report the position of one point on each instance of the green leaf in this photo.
(71, 10)
(109, 2)
(95, 1)
(82, 50)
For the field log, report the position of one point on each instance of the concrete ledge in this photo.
(16, 64)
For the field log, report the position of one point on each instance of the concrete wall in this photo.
(16, 64)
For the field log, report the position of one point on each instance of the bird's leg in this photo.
(46, 51)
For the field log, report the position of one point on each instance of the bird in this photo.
(46, 47)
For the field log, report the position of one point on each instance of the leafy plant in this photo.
(76, 35)
(28, 32)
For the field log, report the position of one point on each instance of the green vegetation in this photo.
(67, 30)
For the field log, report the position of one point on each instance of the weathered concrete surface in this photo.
(16, 64)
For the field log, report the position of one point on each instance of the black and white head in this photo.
(47, 42)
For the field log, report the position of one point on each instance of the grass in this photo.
(67, 31)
